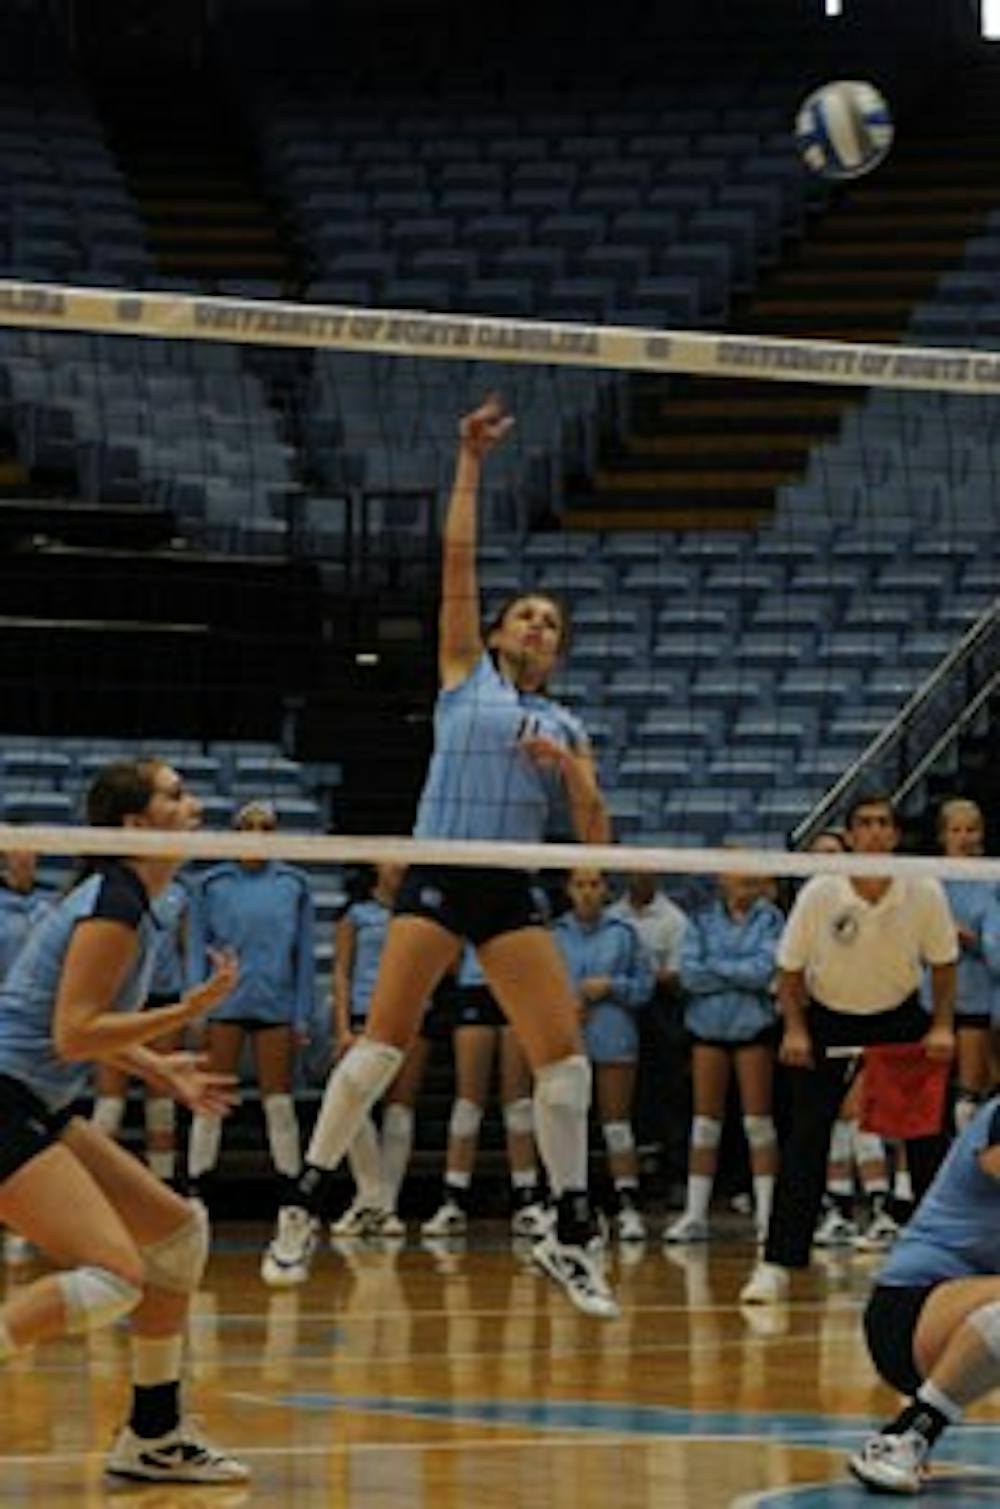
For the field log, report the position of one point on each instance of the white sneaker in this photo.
(449, 1220)
(687, 1228)
(630, 1225)
(580, 1271)
(768, 1284)
(390, 1225)
(183, 1455)
(17, 1250)
(286, 1260)
(878, 1235)
(892, 1464)
(532, 1220)
(835, 1230)
(367, 1221)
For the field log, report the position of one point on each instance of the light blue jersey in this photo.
(28, 994)
(978, 988)
(727, 968)
(19, 911)
(953, 1232)
(990, 942)
(608, 947)
(265, 913)
(481, 783)
(370, 921)
(170, 910)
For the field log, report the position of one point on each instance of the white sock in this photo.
(931, 1394)
(763, 1198)
(562, 1108)
(365, 1158)
(162, 1161)
(524, 1178)
(397, 1145)
(699, 1195)
(203, 1145)
(283, 1135)
(109, 1113)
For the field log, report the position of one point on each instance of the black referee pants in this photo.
(816, 1095)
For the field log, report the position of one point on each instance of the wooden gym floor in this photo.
(404, 1378)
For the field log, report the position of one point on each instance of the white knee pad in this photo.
(565, 1085)
(161, 1114)
(759, 1132)
(368, 1069)
(283, 1137)
(466, 1119)
(94, 1297)
(706, 1132)
(519, 1117)
(987, 1322)
(178, 1262)
(868, 1147)
(842, 1142)
(618, 1138)
(109, 1113)
(397, 1121)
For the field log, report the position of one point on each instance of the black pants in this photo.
(661, 1114)
(816, 1095)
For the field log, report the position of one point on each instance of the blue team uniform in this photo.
(28, 994)
(370, 920)
(978, 987)
(480, 783)
(266, 915)
(19, 911)
(610, 947)
(727, 967)
(170, 910)
(953, 1232)
(989, 936)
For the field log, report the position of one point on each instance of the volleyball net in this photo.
(779, 557)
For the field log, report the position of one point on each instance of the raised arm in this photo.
(460, 642)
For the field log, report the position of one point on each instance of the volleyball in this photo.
(844, 129)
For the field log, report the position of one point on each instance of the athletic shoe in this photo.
(288, 1255)
(767, 1285)
(183, 1455)
(835, 1230)
(879, 1234)
(532, 1220)
(630, 1225)
(892, 1464)
(687, 1228)
(580, 1271)
(449, 1220)
(367, 1221)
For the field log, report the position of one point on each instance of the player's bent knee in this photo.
(986, 1320)
(759, 1131)
(178, 1261)
(466, 1119)
(519, 1117)
(95, 1297)
(370, 1067)
(565, 1084)
(706, 1132)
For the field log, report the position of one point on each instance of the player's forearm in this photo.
(944, 979)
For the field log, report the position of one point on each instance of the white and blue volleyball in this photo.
(844, 129)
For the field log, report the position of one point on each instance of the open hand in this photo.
(196, 1087)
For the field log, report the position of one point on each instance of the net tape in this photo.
(311, 848)
(485, 338)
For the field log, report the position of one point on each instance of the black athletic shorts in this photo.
(906, 1023)
(767, 1037)
(437, 1022)
(890, 1324)
(477, 904)
(474, 1006)
(27, 1126)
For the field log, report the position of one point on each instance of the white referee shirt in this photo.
(660, 924)
(861, 956)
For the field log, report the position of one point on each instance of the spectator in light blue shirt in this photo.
(22, 903)
(614, 978)
(263, 911)
(727, 968)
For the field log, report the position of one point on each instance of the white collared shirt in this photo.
(660, 924)
(861, 956)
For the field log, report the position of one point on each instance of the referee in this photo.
(851, 960)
